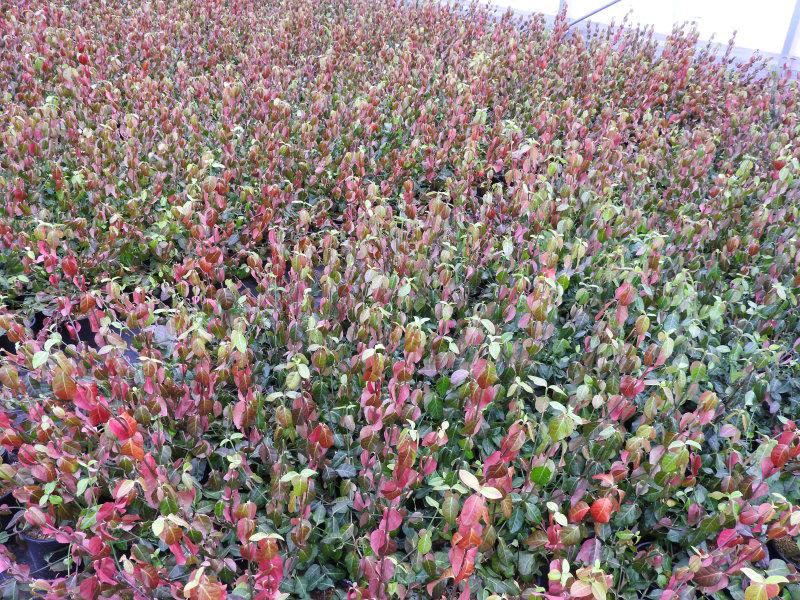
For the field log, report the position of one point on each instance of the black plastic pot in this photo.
(11, 457)
(200, 470)
(41, 555)
(7, 345)
(131, 353)
(18, 417)
(85, 335)
(8, 584)
(250, 285)
(7, 513)
(38, 322)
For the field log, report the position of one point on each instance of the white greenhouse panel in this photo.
(759, 26)
(548, 7)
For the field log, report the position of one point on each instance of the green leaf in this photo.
(469, 480)
(88, 518)
(489, 326)
(508, 247)
(424, 543)
(54, 339)
(435, 408)
(82, 485)
(753, 575)
(671, 322)
(490, 492)
(316, 579)
(287, 477)
(532, 512)
(560, 427)
(538, 381)
(777, 567)
(516, 520)
(756, 591)
(541, 475)
(303, 370)
(628, 514)
(443, 385)
(669, 464)
(40, 358)
(239, 342)
(598, 590)
(525, 564)
(158, 526)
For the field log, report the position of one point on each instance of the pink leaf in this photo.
(473, 509)
(458, 377)
(378, 541)
(590, 551)
(393, 519)
(728, 538)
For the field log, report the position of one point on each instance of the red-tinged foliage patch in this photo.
(381, 299)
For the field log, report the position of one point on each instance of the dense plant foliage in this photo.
(374, 299)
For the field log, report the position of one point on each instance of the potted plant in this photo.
(43, 552)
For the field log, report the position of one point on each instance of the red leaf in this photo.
(630, 386)
(106, 570)
(478, 367)
(462, 562)
(239, 410)
(322, 435)
(36, 517)
(601, 510)
(625, 294)
(710, 580)
(578, 512)
(779, 455)
(89, 588)
(63, 385)
(99, 413)
(171, 535)
(209, 590)
(465, 593)
(580, 589)
(122, 426)
(474, 508)
(728, 538)
(177, 551)
(133, 447)
(123, 488)
(69, 266)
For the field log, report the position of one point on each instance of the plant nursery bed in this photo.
(375, 299)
